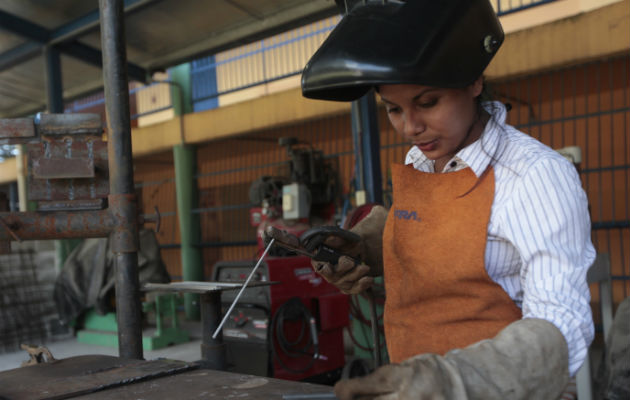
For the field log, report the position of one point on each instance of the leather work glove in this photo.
(346, 275)
(526, 360)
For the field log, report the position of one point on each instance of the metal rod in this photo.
(376, 338)
(238, 296)
(310, 396)
(128, 310)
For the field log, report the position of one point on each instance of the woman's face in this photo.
(438, 121)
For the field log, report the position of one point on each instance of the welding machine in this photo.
(291, 330)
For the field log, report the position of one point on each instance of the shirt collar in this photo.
(477, 155)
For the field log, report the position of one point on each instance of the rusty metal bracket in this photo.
(37, 354)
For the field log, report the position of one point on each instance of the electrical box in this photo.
(296, 201)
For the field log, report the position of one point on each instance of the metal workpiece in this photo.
(84, 375)
(129, 311)
(16, 130)
(95, 377)
(67, 159)
(69, 124)
(29, 130)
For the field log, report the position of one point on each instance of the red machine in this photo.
(294, 329)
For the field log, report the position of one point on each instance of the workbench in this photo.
(106, 377)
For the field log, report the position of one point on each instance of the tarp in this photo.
(88, 277)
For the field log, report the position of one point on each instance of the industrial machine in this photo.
(294, 329)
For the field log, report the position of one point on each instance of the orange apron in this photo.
(439, 295)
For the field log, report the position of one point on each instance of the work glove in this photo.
(347, 275)
(526, 360)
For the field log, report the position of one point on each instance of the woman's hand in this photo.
(346, 275)
(353, 277)
(527, 360)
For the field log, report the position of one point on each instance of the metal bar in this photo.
(212, 348)
(128, 312)
(610, 225)
(25, 52)
(19, 54)
(501, 12)
(238, 88)
(90, 22)
(94, 57)
(17, 128)
(23, 27)
(157, 110)
(58, 225)
(54, 85)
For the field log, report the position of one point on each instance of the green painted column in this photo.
(181, 91)
(185, 160)
(189, 227)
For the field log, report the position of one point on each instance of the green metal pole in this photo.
(190, 232)
(186, 187)
(182, 94)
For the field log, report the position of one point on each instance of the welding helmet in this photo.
(440, 43)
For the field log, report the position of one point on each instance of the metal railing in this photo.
(504, 7)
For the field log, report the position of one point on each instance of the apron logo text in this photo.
(407, 215)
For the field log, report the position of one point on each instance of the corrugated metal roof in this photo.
(160, 34)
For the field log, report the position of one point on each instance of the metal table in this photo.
(212, 350)
(105, 377)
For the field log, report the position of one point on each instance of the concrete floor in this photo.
(69, 347)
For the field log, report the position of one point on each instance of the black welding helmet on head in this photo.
(441, 43)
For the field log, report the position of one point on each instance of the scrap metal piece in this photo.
(75, 376)
(65, 124)
(37, 354)
(14, 130)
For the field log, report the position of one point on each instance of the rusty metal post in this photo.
(122, 203)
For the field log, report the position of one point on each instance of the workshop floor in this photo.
(69, 347)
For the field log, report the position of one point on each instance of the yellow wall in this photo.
(599, 33)
(8, 171)
(545, 13)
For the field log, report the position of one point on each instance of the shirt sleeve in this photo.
(547, 221)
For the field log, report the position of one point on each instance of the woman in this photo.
(486, 246)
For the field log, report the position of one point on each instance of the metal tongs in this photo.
(311, 242)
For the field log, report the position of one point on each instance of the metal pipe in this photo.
(124, 241)
(57, 225)
(189, 226)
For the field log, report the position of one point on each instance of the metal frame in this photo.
(63, 38)
(120, 220)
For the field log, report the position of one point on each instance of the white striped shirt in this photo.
(539, 245)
